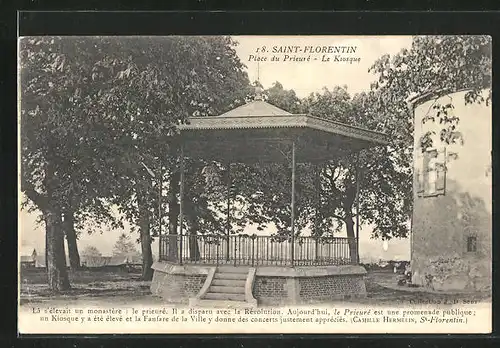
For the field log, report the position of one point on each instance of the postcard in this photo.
(255, 184)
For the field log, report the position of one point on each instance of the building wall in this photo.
(443, 223)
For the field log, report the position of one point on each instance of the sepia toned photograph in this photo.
(255, 184)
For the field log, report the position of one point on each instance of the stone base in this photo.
(177, 283)
(302, 285)
(271, 286)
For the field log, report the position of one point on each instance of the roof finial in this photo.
(258, 86)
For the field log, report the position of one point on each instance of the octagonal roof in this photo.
(259, 131)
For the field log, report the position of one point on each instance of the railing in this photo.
(257, 250)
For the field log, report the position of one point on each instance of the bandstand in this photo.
(240, 270)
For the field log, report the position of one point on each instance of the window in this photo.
(471, 244)
(431, 173)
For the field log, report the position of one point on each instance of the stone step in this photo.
(223, 304)
(230, 269)
(229, 276)
(228, 282)
(224, 297)
(226, 289)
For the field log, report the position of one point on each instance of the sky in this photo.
(303, 77)
(307, 77)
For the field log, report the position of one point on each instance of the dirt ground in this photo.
(382, 289)
(121, 288)
(88, 287)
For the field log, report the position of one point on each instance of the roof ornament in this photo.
(258, 86)
(258, 93)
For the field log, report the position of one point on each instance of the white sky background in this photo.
(304, 78)
(307, 77)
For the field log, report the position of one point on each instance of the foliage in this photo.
(325, 195)
(284, 99)
(94, 108)
(65, 157)
(91, 251)
(260, 195)
(198, 77)
(433, 67)
(124, 246)
(74, 91)
(61, 127)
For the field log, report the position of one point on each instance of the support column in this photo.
(160, 186)
(181, 203)
(317, 185)
(228, 225)
(292, 256)
(358, 177)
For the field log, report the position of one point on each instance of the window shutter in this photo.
(420, 183)
(441, 172)
(471, 244)
(425, 173)
(419, 170)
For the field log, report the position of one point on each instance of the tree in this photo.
(71, 239)
(93, 109)
(433, 64)
(91, 251)
(124, 246)
(199, 76)
(284, 99)
(385, 193)
(385, 173)
(436, 66)
(60, 128)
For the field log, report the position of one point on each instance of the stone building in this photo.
(451, 242)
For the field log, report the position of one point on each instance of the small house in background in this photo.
(451, 240)
(36, 260)
(29, 261)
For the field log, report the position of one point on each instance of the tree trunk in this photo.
(173, 215)
(46, 248)
(56, 259)
(194, 248)
(353, 246)
(145, 234)
(69, 229)
(147, 255)
(348, 202)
